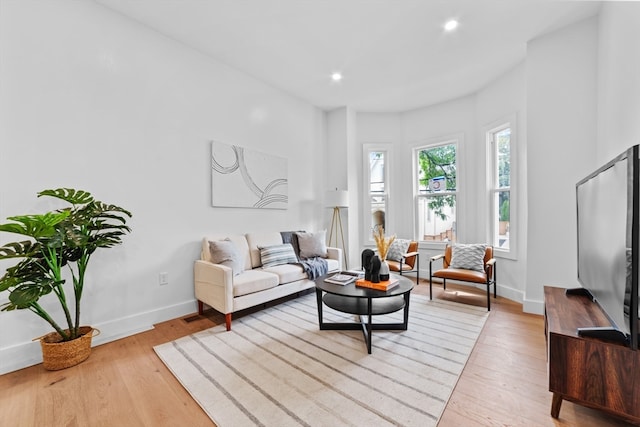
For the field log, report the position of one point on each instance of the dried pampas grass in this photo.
(383, 244)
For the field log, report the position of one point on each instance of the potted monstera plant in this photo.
(54, 260)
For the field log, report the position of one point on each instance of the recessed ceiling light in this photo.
(336, 76)
(451, 25)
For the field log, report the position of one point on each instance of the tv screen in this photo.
(606, 215)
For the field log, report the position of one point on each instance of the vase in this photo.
(384, 270)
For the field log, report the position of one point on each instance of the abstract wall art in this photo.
(247, 178)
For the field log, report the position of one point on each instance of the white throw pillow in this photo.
(468, 257)
(312, 244)
(398, 249)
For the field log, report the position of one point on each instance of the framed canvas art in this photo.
(245, 178)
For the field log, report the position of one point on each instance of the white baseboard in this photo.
(533, 306)
(28, 353)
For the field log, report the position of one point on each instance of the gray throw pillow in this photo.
(468, 257)
(224, 252)
(312, 244)
(277, 255)
(397, 249)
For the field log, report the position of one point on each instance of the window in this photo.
(500, 186)
(436, 175)
(377, 162)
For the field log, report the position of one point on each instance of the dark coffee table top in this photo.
(351, 290)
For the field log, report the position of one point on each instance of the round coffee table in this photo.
(364, 302)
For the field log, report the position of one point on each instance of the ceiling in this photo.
(394, 54)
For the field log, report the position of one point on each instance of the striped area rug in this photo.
(276, 368)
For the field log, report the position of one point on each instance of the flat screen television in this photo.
(608, 244)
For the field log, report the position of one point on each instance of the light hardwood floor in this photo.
(124, 383)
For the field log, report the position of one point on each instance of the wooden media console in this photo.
(588, 371)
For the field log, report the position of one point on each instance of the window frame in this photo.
(492, 185)
(458, 140)
(367, 223)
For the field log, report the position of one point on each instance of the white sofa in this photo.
(217, 287)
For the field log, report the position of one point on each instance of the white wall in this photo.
(505, 100)
(561, 87)
(618, 79)
(92, 100)
(466, 117)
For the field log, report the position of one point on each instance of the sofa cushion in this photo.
(312, 244)
(287, 272)
(224, 252)
(255, 240)
(277, 255)
(251, 281)
(240, 242)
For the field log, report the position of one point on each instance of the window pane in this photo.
(376, 172)
(503, 139)
(502, 219)
(437, 169)
(378, 211)
(437, 218)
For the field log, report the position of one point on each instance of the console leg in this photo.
(227, 321)
(556, 403)
(200, 307)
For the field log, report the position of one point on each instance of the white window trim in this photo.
(458, 139)
(509, 121)
(367, 236)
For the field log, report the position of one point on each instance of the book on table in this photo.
(381, 286)
(342, 278)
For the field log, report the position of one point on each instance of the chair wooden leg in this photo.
(227, 321)
(200, 307)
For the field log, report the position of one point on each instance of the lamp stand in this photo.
(336, 222)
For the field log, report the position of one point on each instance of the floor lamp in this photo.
(337, 199)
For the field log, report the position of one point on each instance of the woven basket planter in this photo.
(58, 354)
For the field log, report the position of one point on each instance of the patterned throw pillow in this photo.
(277, 255)
(398, 248)
(468, 257)
(224, 252)
(312, 244)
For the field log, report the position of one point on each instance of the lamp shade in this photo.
(337, 198)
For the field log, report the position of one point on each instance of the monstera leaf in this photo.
(36, 226)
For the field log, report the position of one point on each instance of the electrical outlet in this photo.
(163, 278)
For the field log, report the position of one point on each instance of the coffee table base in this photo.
(364, 307)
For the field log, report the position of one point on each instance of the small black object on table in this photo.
(364, 302)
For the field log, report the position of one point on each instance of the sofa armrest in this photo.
(214, 285)
(335, 253)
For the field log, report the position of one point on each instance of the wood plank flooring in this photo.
(124, 383)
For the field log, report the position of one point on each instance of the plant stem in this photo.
(55, 265)
(37, 309)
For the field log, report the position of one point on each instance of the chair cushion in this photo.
(224, 252)
(395, 266)
(468, 257)
(312, 244)
(397, 249)
(277, 255)
(251, 281)
(460, 274)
